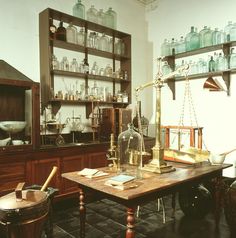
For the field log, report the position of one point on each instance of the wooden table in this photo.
(151, 187)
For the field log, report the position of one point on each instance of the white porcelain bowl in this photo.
(217, 158)
(12, 126)
(17, 142)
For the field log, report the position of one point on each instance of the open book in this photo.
(91, 173)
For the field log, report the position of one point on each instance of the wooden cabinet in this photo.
(48, 45)
(96, 160)
(225, 74)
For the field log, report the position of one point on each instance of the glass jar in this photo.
(94, 69)
(81, 37)
(194, 40)
(55, 62)
(61, 32)
(118, 47)
(111, 18)
(108, 71)
(207, 37)
(79, 9)
(227, 31)
(201, 34)
(165, 68)
(74, 65)
(165, 48)
(232, 61)
(71, 33)
(181, 45)
(92, 14)
(232, 32)
(130, 152)
(64, 64)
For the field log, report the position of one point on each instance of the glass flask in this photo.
(61, 32)
(207, 37)
(194, 40)
(79, 10)
(81, 37)
(71, 33)
(165, 48)
(130, 152)
(92, 14)
(101, 17)
(188, 38)
(227, 31)
(201, 34)
(103, 42)
(111, 18)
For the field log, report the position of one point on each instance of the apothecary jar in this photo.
(130, 152)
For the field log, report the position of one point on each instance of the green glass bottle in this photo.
(194, 41)
(78, 10)
(187, 39)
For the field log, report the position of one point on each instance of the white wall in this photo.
(19, 41)
(215, 111)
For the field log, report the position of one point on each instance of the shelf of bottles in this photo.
(221, 60)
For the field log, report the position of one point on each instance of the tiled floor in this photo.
(106, 219)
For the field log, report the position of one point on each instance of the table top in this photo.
(150, 183)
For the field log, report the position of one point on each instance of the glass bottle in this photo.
(61, 32)
(220, 63)
(118, 47)
(92, 14)
(194, 40)
(74, 65)
(218, 37)
(71, 33)
(232, 32)
(101, 18)
(81, 37)
(94, 91)
(64, 64)
(188, 38)
(165, 48)
(211, 65)
(108, 71)
(52, 31)
(94, 69)
(130, 152)
(103, 42)
(207, 37)
(181, 45)
(201, 34)
(165, 68)
(173, 44)
(55, 63)
(111, 18)
(232, 59)
(227, 31)
(79, 10)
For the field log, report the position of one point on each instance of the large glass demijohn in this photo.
(130, 152)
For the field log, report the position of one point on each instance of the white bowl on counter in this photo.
(17, 142)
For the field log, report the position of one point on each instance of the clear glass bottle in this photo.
(103, 42)
(207, 37)
(165, 68)
(165, 48)
(61, 32)
(218, 37)
(181, 45)
(64, 65)
(232, 32)
(94, 69)
(79, 10)
(92, 14)
(86, 66)
(81, 37)
(221, 63)
(188, 38)
(173, 45)
(201, 34)
(130, 153)
(71, 33)
(232, 59)
(118, 47)
(101, 17)
(55, 63)
(74, 65)
(194, 40)
(227, 31)
(111, 18)
(94, 93)
(108, 71)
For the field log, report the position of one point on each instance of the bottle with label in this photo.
(79, 9)
(61, 32)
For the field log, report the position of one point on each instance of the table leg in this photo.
(130, 223)
(82, 212)
(173, 204)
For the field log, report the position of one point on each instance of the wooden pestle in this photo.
(53, 172)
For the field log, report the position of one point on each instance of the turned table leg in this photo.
(130, 223)
(82, 212)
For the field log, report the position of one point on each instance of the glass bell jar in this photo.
(130, 152)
